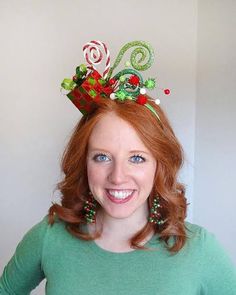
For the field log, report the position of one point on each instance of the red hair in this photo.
(159, 138)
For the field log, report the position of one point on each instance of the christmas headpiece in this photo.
(87, 85)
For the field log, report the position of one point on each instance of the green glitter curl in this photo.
(142, 50)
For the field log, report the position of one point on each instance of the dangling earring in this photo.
(155, 215)
(90, 209)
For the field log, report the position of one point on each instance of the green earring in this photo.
(155, 215)
(90, 209)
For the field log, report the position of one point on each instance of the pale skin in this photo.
(121, 172)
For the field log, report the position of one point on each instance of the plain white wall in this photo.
(42, 43)
(215, 160)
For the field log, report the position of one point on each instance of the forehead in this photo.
(113, 132)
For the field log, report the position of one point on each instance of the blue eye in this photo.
(101, 158)
(137, 159)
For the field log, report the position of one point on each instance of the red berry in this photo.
(141, 99)
(112, 81)
(108, 90)
(134, 80)
(167, 91)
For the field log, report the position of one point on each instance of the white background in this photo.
(41, 43)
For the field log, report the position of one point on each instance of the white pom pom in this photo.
(157, 101)
(112, 96)
(143, 91)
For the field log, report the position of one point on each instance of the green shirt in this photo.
(75, 267)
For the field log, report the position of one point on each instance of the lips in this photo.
(120, 196)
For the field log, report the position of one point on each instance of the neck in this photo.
(117, 232)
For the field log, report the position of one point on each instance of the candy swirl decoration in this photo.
(94, 56)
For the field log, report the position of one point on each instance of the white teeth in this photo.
(120, 194)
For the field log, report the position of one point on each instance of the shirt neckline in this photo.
(151, 244)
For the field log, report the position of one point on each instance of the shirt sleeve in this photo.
(219, 273)
(24, 272)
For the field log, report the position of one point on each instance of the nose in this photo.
(117, 173)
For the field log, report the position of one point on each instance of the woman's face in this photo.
(120, 168)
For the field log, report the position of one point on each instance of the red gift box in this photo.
(88, 93)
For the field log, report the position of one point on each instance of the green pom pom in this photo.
(150, 83)
(81, 70)
(122, 78)
(121, 95)
(68, 84)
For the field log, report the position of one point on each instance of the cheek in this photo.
(148, 175)
(95, 174)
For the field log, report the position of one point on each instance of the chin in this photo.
(121, 213)
(119, 216)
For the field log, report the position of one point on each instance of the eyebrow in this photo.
(131, 152)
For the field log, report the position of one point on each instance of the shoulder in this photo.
(199, 235)
(196, 232)
(44, 227)
(55, 234)
(44, 224)
(36, 234)
(204, 243)
(39, 232)
(48, 239)
(211, 260)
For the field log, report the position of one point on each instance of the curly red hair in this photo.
(159, 138)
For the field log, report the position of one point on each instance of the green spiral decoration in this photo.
(135, 61)
(126, 87)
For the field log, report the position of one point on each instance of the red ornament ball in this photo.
(141, 99)
(134, 80)
(167, 91)
(112, 81)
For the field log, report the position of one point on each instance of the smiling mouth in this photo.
(119, 196)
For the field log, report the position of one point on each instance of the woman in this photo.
(120, 226)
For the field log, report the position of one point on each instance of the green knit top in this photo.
(75, 267)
